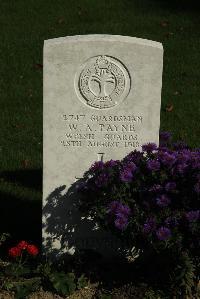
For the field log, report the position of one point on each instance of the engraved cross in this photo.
(100, 156)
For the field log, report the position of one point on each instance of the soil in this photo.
(86, 293)
(125, 292)
(6, 295)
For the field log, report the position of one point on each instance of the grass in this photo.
(25, 25)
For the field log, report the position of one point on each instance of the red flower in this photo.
(14, 252)
(32, 250)
(22, 245)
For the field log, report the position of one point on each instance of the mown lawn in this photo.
(25, 25)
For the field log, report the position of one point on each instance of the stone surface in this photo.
(102, 97)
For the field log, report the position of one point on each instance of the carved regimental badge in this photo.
(102, 82)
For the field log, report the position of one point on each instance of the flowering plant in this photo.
(21, 247)
(24, 274)
(150, 198)
(20, 253)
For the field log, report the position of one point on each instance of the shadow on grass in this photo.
(20, 216)
(30, 178)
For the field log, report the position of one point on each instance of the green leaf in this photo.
(105, 296)
(82, 282)
(8, 286)
(63, 283)
(44, 269)
(22, 291)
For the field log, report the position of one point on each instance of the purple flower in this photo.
(153, 165)
(113, 207)
(111, 163)
(165, 137)
(163, 233)
(197, 187)
(171, 221)
(131, 166)
(180, 145)
(193, 216)
(168, 159)
(134, 156)
(126, 174)
(170, 186)
(196, 164)
(123, 210)
(149, 147)
(121, 222)
(98, 165)
(180, 168)
(156, 188)
(162, 148)
(163, 201)
(149, 226)
(117, 208)
(184, 156)
(195, 160)
(101, 180)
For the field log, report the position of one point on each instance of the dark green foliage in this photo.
(63, 283)
(151, 294)
(16, 270)
(22, 278)
(22, 287)
(82, 282)
(3, 237)
(183, 277)
(44, 269)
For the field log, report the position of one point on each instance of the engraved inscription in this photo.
(105, 131)
(102, 82)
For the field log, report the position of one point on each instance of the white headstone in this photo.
(102, 96)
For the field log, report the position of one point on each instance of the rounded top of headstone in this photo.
(104, 37)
